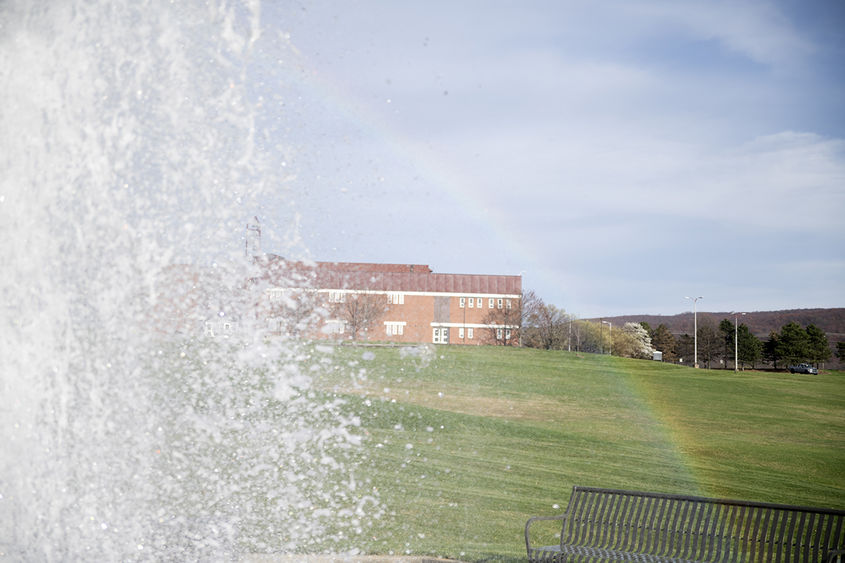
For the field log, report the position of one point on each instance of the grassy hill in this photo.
(464, 444)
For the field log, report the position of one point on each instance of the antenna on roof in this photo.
(252, 239)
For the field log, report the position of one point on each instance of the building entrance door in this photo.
(441, 336)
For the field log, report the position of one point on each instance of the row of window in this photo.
(393, 298)
(396, 298)
(478, 303)
(397, 328)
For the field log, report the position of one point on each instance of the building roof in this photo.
(362, 276)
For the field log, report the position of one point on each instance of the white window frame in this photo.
(471, 303)
(461, 333)
(462, 302)
(491, 303)
(479, 303)
(469, 333)
(334, 326)
(508, 304)
(394, 328)
(499, 303)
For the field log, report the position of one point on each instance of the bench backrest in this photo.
(700, 528)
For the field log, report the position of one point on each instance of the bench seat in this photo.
(617, 525)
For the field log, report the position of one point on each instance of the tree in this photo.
(684, 349)
(840, 351)
(708, 341)
(726, 328)
(542, 325)
(633, 341)
(793, 343)
(750, 347)
(664, 341)
(818, 348)
(588, 336)
(293, 313)
(503, 325)
(360, 311)
(770, 349)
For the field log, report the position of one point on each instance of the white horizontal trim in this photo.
(394, 291)
(469, 325)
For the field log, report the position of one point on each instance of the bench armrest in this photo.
(834, 555)
(560, 517)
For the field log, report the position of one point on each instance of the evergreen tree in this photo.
(770, 349)
(750, 347)
(664, 341)
(817, 345)
(684, 349)
(793, 344)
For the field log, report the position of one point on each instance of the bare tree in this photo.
(544, 326)
(360, 312)
(503, 325)
(294, 313)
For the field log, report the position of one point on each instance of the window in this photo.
(498, 334)
(499, 303)
(337, 297)
(508, 304)
(478, 303)
(469, 333)
(462, 302)
(507, 334)
(333, 326)
(396, 298)
(440, 336)
(471, 303)
(461, 333)
(394, 328)
(490, 303)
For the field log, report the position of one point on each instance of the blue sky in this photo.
(619, 155)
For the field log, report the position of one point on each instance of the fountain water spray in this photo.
(130, 142)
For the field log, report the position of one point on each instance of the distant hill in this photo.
(761, 323)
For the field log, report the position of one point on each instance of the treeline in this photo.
(726, 345)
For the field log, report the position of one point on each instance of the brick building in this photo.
(387, 302)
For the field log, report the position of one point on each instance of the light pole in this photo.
(695, 328)
(736, 340)
(610, 331)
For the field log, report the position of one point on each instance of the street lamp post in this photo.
(736, 340)
(610, 331)
(695, 328)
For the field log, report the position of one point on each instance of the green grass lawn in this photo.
(465, 444)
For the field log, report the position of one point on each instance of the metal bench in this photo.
(614, 525)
